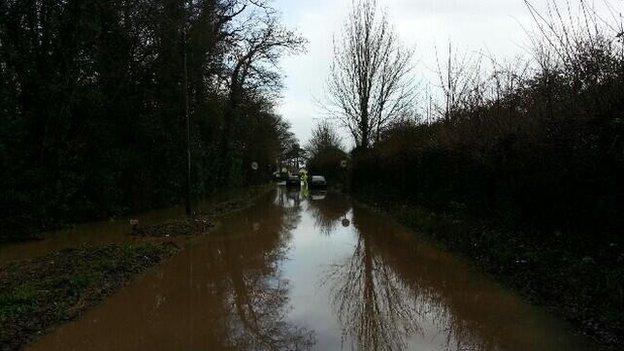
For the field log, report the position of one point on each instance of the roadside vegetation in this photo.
(115, 107)
(518, 165)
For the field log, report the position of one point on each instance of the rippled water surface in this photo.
(310, 272)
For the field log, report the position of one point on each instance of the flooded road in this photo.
(312, 273)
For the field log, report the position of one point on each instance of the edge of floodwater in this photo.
(409, 216)
(37, 295)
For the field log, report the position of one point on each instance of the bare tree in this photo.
(324, 139)
(459, 80)
(257, 43)
(370, 83)
(570, 34)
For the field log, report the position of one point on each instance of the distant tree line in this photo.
(325, 153)
(95, 96)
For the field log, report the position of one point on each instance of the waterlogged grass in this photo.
(38, 294)
(582, 283)
(207, 213)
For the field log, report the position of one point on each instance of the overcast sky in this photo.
(471, 25)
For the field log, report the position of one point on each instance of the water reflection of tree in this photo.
(373, 305)
(431, 296)
(225, 291)
(382, 293)
(391, 286)
(254, 293)
(328, 211)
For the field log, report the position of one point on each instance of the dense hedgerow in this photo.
(546, 153)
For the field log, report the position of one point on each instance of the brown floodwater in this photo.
(310, 272)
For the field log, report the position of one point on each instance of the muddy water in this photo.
(97, 233)
(319, 273)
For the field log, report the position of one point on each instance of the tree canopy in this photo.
(93, 97)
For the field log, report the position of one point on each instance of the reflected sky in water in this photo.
(312, 271)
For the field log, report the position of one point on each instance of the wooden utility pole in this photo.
(187, 118)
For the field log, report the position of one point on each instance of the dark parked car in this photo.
(318, 182)
(293, 181)
(280, 177)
